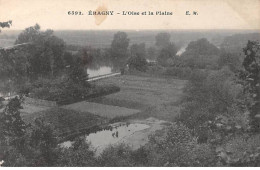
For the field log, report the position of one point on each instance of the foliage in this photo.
(64, 90)
(13, 66)
(205, 156)
(251, 79)
(12, 130)
(43, 144)
(12, 125)
(209, 96)
(240, 150)
(77, 73)
(162, 39)
(5, 24)
(119, 47)
(202, 47)
(138, 50)
(200, 54)
(65, 121)
(174, 147)
(229, 59)
(152, 53)
(137, 62)
(44, 54)
(167, 52)
(116, 156)
(79, 155)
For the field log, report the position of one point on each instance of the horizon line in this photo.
(196, 29)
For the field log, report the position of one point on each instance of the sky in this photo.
(53, 14)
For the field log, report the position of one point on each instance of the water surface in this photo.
(101, 139)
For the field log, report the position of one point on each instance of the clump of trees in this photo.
(167, 50)
(221, 108)
(251, 82)
(6, 24)
(121, 55)
(119, 49)
(44, 56)
(137, 60)
(200, 54)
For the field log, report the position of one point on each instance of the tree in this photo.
(12, 124)
(138, 50)
(172, 147)
(45, 54)
(137, 62)
(167, 52)
(229, 59)
(202, 47)
(251, 78)
(78, 155)
(5, 24)
(43, 144)
(77, 73)
(201, 54)
(12, 131)
(30, 34)
(152, 53)
(119, 47)
(162, 39)
(113, 156)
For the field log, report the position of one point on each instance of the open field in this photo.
(30, 109)
(107, 111)
(154, 96)
(6, 42)
(66, 121)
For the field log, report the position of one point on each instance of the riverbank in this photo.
(151, 101)
(134, 133)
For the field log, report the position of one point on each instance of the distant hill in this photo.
(235, 43)
(103, 38)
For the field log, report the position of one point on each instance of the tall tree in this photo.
(162, 39)
(45, 53)
(251, 77)
(167, 52)
(138, 49)
(12, 131)
(119, 48)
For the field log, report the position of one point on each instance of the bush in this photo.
(79, 155)
(65, 91)
(137, 62)
(242, 150)
(172, 148)
(116, 156)
(205, 155)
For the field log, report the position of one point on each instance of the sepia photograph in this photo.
(130, 83)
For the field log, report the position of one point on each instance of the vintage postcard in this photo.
(130, 83)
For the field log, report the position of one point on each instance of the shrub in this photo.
(137, 62)
(205, 155)
(79, 155)
(113, 156)
(173, 148)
